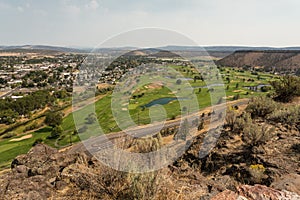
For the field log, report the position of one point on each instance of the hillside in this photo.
(279, 59)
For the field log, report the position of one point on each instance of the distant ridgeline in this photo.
(269, 60)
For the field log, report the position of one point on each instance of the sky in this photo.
(86, 23)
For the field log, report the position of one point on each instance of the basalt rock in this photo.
(257, 192)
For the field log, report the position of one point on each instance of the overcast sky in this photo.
(87, 23)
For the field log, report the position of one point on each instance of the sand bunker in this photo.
(21, 138)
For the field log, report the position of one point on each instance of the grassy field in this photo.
(236, 86)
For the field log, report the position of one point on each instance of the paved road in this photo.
(9, 93)
(17, 90)
(106, 141)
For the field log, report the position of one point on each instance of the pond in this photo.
(161, 101)
(257, 88)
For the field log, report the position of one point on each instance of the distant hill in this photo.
(165, 54)
(167, 48)
(41, 47)
(136, 53)
(224, 48)
(280, 59)
(218, 52)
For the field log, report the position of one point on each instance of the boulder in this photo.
(289, 182)
(256, 192)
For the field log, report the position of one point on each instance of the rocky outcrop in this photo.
(46, 173)
(257, 192)
(38, 174)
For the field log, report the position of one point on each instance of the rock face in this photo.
(257, 192)
(38, 174)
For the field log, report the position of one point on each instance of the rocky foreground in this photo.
(46, 173)
(256, 157)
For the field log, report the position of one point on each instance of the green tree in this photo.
(236, 97)
(199, 90)
(56, 131)
(178, 82)
(228, 79)
(53, 119)
(91, 118)
(8, 116)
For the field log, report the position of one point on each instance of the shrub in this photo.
(143, 185)
(257, 172)
(8, 135)
(168, 131)
(32, 127)
(241, 122)
(254, 135)
(201, 125)
(230, 118)
(261, 106)
(288, 115)
(146, 145)
(286, 88)
(296, 148)
(113, 184)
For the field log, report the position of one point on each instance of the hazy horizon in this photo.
(88, 23)
(200, 46)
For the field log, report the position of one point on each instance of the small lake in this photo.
(256, 88)
(186, 79)
(161, 101)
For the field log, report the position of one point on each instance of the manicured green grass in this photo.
(10, 149)
(106, 120)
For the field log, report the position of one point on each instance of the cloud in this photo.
(41, 12)
(92, 5)
(4, 6)
(20, 9)
(72, 9)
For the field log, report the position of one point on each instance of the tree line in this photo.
(11, 109)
